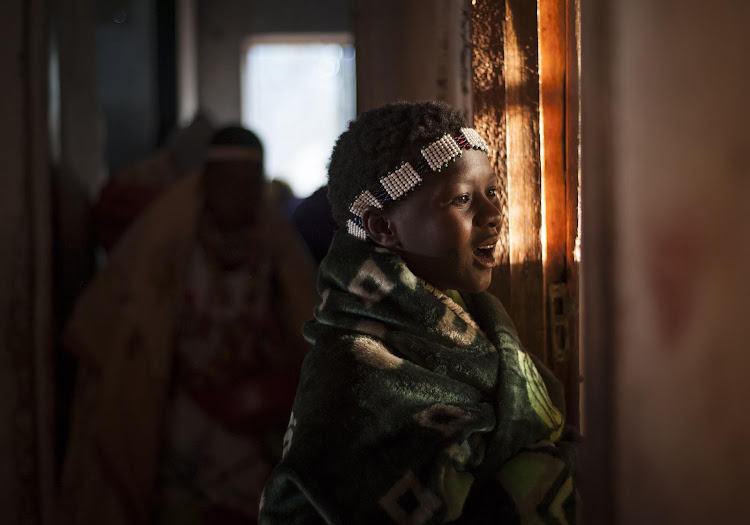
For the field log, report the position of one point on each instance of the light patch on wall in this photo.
(543, 193)
(522, 202)
(577, 246)
(298, 95)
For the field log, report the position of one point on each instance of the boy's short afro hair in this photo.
(378, 141)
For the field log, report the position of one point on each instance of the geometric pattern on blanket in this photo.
(288, 435)
(413, 409)
(370, 283)
(455, 323)
(408, 502)
(538, 396)
(540, 485)
(448, 420)
(374, 353)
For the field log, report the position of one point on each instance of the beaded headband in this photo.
(404, 179)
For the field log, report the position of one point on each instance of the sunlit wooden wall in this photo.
(525, 98)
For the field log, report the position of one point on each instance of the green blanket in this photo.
(412, 411)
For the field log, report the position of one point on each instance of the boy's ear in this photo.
(380, 227)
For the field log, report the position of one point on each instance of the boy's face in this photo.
(448, 229)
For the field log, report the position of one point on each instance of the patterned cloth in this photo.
(223, 339)
(411, 410)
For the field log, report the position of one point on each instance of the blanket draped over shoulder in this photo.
(412, 410)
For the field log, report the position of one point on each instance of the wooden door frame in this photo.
(581, 31)
(598, 269)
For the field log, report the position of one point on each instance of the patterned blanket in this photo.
(413, 410)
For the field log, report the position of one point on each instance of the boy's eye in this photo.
(461, 199)
(492, 192)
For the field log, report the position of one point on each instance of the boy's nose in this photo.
(489, 214)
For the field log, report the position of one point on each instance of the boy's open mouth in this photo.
(485, 254)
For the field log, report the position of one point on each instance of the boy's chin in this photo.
(481, 285)
(476, 289)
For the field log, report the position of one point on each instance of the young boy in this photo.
(418, 404)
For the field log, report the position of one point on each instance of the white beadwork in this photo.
(364, 200)
(400, 181)
(473, 138)
(355, 229)
(404, 179)
(441, 152)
